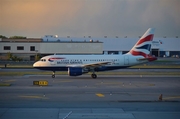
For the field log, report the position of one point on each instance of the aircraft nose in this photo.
(35, 64)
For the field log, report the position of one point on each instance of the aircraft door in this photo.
(126, 60)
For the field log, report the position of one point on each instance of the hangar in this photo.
(28, 48)
(161, 47)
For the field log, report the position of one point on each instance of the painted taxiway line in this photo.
(100, 95)
(173, 97)
(34, 96)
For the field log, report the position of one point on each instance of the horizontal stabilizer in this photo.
(149, 58)
(142, 59)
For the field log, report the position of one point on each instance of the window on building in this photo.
(20, 47)
(7, 48)
(124, 52)
(32, 58)
(32, 48)
(112, 52)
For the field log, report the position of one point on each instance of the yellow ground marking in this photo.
(109, 83)
(151, 84)
(5, 84)
(63, 81)
(99, 95)
(144, 84)
(126, 84)
(9, 80)
(34, 96)
(173, 97)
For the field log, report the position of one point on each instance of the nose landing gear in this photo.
(53, 75)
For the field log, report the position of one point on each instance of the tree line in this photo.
(13, 37)
(11, 57)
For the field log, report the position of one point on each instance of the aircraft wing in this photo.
(91, 65)
(98, 64)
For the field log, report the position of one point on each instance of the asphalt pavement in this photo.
(107, 97)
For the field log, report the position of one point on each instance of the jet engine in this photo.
(75, 71)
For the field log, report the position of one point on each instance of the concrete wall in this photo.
(14, 46)
(46, 48)
(71, 48)
(55, 47)
(124, 44)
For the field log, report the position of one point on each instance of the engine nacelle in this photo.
(75, 71)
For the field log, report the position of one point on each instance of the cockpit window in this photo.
(43, 60)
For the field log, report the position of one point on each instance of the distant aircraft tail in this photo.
(143, 46)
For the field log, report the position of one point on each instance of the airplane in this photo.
(77, 65)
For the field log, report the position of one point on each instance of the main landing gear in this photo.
(93, 75)
(53, 75)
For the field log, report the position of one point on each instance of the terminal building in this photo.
(28, 48)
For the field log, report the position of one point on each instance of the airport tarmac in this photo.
(107, 97)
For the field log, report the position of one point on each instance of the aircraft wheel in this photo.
(53, 76)
(93, 76)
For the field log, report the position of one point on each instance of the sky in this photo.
(95, 18)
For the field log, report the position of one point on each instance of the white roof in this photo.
(125, 44)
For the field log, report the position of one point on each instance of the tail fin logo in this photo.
(143, 46)
(147, 38)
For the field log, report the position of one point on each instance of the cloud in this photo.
(36, 15)
(163, 14)
(36, 18)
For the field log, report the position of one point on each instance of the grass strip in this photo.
(139, 73)
(5, 84)
(30, 73)
(156, 67)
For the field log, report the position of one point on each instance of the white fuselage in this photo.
(61, 62)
